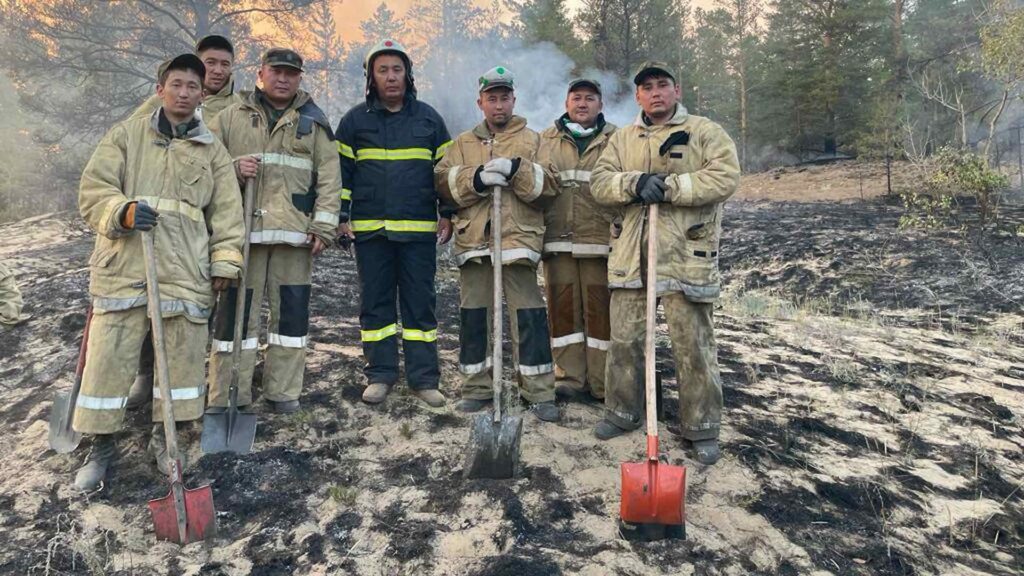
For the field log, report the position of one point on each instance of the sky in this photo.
(350, 13)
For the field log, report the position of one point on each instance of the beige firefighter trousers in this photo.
(10, 297)
(531, 344)
(115, 341)
(690, 327)
(578, 302)
(283, 273)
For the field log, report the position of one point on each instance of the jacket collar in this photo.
(679, 117)
(198, 133)
(516, 124)
(602, 125)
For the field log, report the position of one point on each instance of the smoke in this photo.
(448, 82)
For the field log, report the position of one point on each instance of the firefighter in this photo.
(218, 55)
(576, 231)
(500, 151)
(687, 164)
(169, 175)
(278, 136)
(388, 146)
(10, 299)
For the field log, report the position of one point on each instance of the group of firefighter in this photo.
(390, 181)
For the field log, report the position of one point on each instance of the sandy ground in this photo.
(874, 392)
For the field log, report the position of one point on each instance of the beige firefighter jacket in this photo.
(522, 217)
(10, 297)
(191, 182)
(298, 188)
(703, 172)
(575, 223)
(212, 104)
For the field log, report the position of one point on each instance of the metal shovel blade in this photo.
(653, 495)
(63, 438)
(224, 433)
(200, 516)
(493, 450)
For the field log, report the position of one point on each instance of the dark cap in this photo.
(283, 57)
(497, 77)
(181, 62)
(650, 68)
(214, 41)
(585, 83)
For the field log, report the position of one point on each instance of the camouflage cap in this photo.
(497, 77)
(585, 83)
(283, 57)
(650, 68)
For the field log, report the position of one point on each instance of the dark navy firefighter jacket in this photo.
(387, 170)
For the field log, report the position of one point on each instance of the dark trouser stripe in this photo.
(473, 337)
(224, 322)
(294, 313)
(534, 341)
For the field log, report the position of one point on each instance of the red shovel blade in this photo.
(653, 493)
(200, 517)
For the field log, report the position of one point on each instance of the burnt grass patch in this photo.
(270, 486)
(536, 564)
(839, 525)
(410, 539)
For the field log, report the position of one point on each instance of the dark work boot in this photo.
(706, 451)
(546, 411)
(606, 430)
(94, 472)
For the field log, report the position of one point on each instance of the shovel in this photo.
(183, 516)
(63, 438)
(653, 493)
(231, 430)
(494, 438)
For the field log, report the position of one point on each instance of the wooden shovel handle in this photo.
(496, 312)
(652, 303)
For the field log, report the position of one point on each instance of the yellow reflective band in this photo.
(411, 225)
(419, 335)
(395, 225)
(346, 151)
(367, 225)
(441, 150)
(378, 335)
(397, 154)
(346, 194)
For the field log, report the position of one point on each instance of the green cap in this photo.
(497, 77)
(650, 68)
(585, 83)
(283, 57)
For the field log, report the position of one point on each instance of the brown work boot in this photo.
(376, 392)
(431, 397)
(91, 475)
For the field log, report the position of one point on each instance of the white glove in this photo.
(502, 166)
(491, 179)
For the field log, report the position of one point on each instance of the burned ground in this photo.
(874, 399)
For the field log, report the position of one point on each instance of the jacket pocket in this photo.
(305, 202)
(102, 257)
(195, 183)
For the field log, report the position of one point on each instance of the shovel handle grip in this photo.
(651, 312)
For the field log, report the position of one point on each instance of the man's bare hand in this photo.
(221, 284)
(316, 245)
(247, 167)
(444, 230)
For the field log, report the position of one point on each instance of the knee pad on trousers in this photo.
(293, 317)
(224, 322)
(473, 340)
(534, 341)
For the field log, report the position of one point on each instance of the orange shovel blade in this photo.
(200, 517)
(653, 493)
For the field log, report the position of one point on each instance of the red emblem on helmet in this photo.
(389, 43)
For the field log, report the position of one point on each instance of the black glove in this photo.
(650, 189)
(139, 216)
